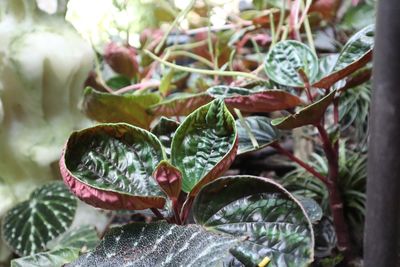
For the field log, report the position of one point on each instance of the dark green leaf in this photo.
(31, 224)
(159, 244)
(180, 105)
(165, 131)
(262, 130)
(118, 82)
(286, 59)
(312, 208)
(106, 107)
(311, 114)
(204, 145)
(255, 100)
(54, 258)
(355, 54)
(111, 165)
(269, 217)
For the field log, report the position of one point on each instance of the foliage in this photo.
(173, 113)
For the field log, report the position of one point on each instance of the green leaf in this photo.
(83, 238)
(255, 100)
(286, 58)
(269, 217)
(358, 17)
(129, 108)
(326, 65)
(180, 104)
(110, 166)
(262, 130)
(355, 54)
(28, 226)
(159, 244)
(54, 258)
(118, 82)
(165, 84)
(312, 208)
(205, 145)
(165, 131)
(311, 114)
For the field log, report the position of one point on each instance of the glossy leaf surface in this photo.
(309, 115)
(355, 54)
(180, 105)
(262, 130)
(31, 224)
(129, 108)
(269, 217)
(111, 165)
(255, 100)
(205, 145)
(286, 58)
(159, 244)
(165, 131)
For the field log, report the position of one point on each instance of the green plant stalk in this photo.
(203, 71)
(193, 56)
(272, 27)
(307, 28)
(247, 128)
(182, 14)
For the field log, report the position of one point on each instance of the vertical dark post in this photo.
(382, 239)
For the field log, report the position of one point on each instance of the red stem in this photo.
(307, 167)
(335, 196)
(157, 213)
(175, 207)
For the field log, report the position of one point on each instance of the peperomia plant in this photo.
(234, 220)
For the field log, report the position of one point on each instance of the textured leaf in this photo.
(262, 130)
(159, 244)
(169, 179)
(326, 65)
(311, 114)
(110, 166)
(83, 238)
(180, 105)
(129, 108)
(355, 54)
(269, 217)
(54, 258)
(286, 58)
(205, 145)
(165, 131)
(31, 224)
(255, 100)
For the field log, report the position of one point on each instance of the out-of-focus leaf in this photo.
(312, 208)
(311, 114)
(355, 54)
(159, 244)
(262, 130)
(54, 258)
(358, 17)
(118, 82)
(284, 61)
(255, 100)
(165, 131)
(270, 219)
(106, 107)
(180, 105)
(83, 238)
(165, 85)
(31, 224)
(111, 165)
(205, 145)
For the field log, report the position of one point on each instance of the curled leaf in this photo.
(110, 166)
(169, 179)
(205, 145)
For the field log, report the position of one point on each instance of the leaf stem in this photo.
(203, 71)
(193, 56)
(304, 165)
(157, 213)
